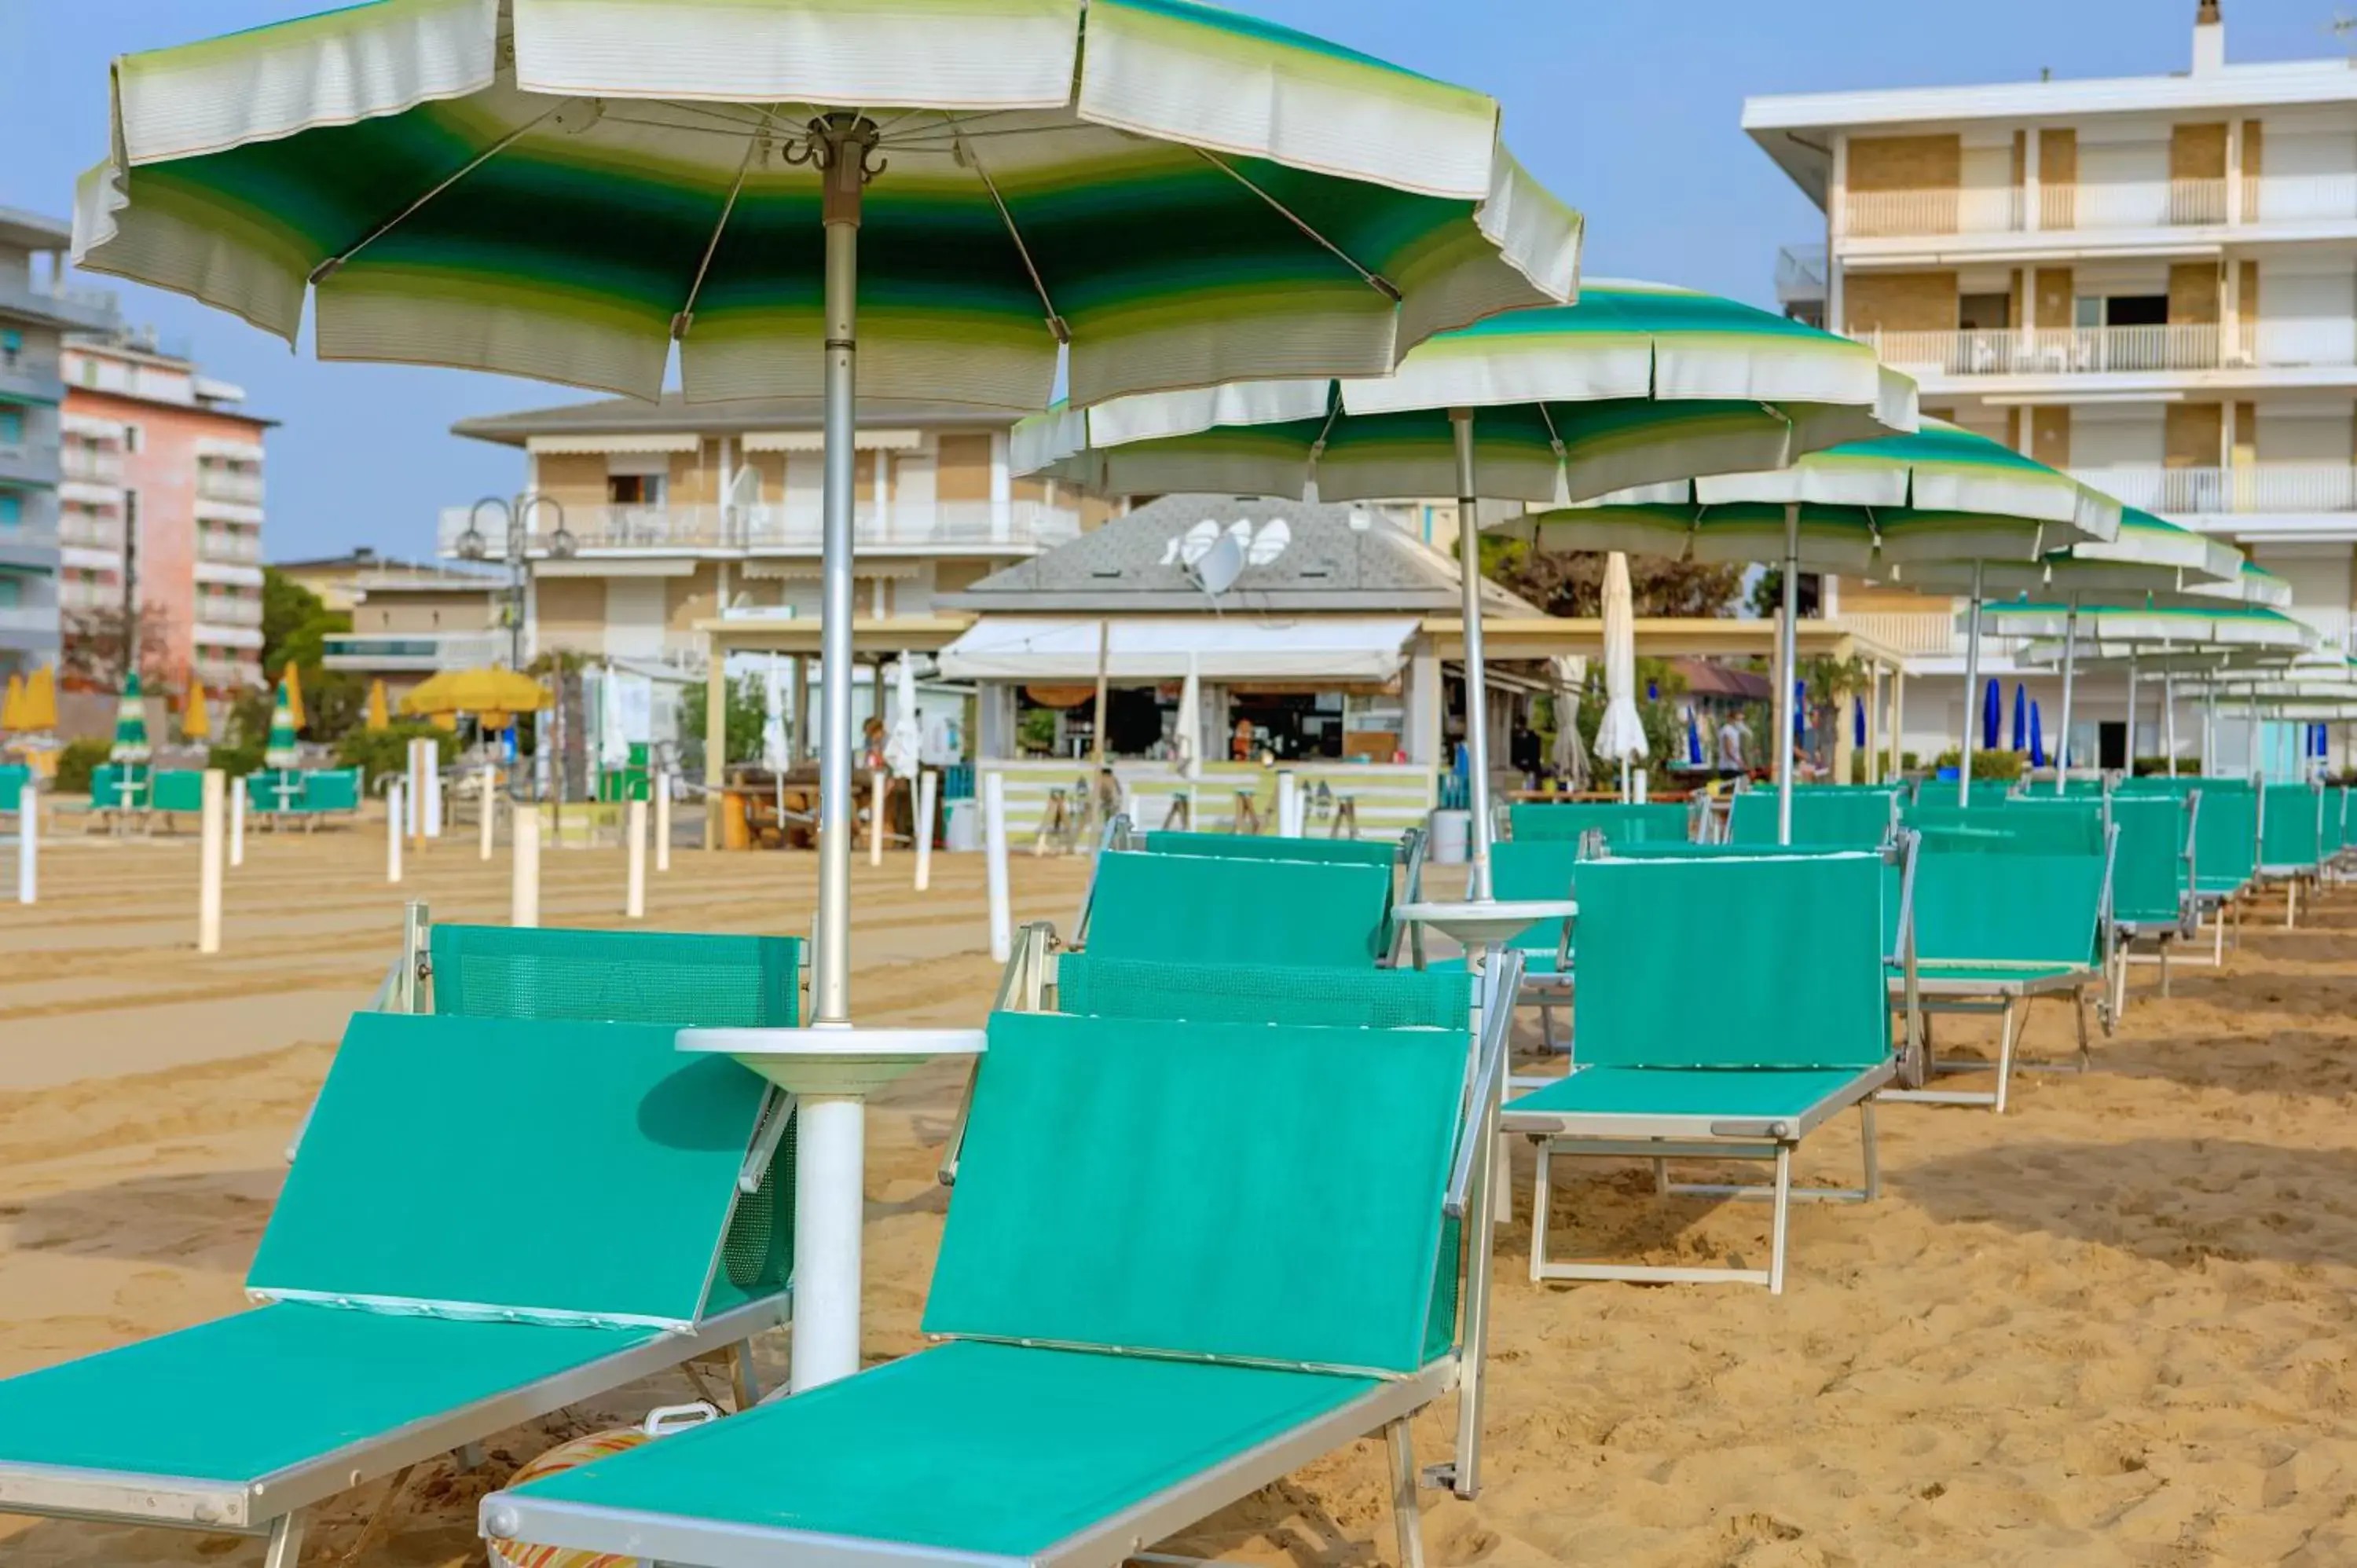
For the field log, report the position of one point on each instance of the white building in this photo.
(2148, 281)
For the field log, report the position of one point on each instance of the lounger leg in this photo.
(1783, 1219)
(2292, 902)
(1547, 1029)
(1407, 1514)
(468, 1455)
(1661, 1177)
(285, 1541)
(1539, 1207)
(2164, 969)
(1873, 1155)
(2218, 938)
(741, 1376)
(2079, 1019)
(2008, 1026)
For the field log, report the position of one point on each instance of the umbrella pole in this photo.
(2069, 657)
(1786, 656)
(1477, 685)
(1972, 693)
(2169, 718)
(2129, 772)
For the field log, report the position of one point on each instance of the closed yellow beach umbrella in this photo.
(294, 679)
(476, 692)
(196, 720)
(41, 699)
(12, 705)
(378, 716)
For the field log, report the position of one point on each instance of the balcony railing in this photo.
(227, 545)
(2061, 350)
(1999, 209)
(221, 610)
(220, 669)
(86, 532)
(89, 464)
(29, 535)
(238, 487)
(1800, 273)
(658, 529)
(2292, 198)
(19, 620)
(85, 309)
(2259, 488)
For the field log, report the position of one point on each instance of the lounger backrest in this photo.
(482, 1166)
(1534, 869)
(106, 787)
(14, 776)
(2056, 827)
(1197, 909)
(2289, 834)
(1733, 961)
(1532, 820)
(178, 790)
(332, 790)
(1092, 985)
(2335, 818)
(1239, 846)
(1850, 819)
(1979, 904)
(2151, 874)
(681, 979)
(2226, 840)
(1233, 1191)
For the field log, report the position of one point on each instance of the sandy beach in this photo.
(2112, 1326)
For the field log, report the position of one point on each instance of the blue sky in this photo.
(1629, 110)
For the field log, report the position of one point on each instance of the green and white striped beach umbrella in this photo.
(2160, 627)
(1636, 383)
(279, 750)
(563, 189)
(131, 724)
(1935, 499)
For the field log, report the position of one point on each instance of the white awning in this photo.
(1233, 647)
(623, 441)
(815, 440)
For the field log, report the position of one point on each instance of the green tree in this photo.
(747, 712)
(1572, 583)
(296, 624)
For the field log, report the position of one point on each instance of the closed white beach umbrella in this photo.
(1190, 739)
(1620, 737)
(906, 742)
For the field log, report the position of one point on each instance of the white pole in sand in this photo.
(1288, 805)
(413, 794)
(994, 837)
(662, 821)
(237, 822)
(927, 788)
(876, 818)
(489, 824)
(429, 763)
(523, 892)
(634, 900)
(396, 805)
(209, 860)
(28, 844)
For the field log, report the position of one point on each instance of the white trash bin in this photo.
(1451, 832)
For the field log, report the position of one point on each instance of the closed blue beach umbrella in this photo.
(1992, 714)
(2037, 738)
(2020, 718)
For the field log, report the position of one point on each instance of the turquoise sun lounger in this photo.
(400, 1317)
(1801, 938)
(1135, 1334)
(2291, 839)
(1205, 909)
(2011, 903)
(1829, 816)
(1407, 856)
(2154, 876)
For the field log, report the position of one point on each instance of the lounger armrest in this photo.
(1022, 987)
(1501, 981)
(1780, 1132)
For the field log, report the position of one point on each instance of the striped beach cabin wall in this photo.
(1390, 799)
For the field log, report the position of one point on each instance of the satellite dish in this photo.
(1220, 565)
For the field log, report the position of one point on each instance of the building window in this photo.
(12, 591)
(131, 438)
(12, 509)
(635, 489)
(12, 426)
(12, 345)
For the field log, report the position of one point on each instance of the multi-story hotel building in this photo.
(2148, 281)
(644, 525)
(162, 457)
(38, 307)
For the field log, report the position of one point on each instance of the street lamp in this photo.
(516, 522)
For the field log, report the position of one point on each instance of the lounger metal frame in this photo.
(1661, 1138)
(2291, 874)
(2186, 926)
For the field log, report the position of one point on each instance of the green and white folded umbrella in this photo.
(130, 725)
(1636, 383)
(280, 749)
(561, 188)
(1938, 498)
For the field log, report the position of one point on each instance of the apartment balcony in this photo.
(391, 653)
(2262, 487)
(2069, 351)
(225, 672)
(216, 611)
(219, 635)
(31, 374)
(70, 309)
(80, 594)
(2063, 208)
(29, 544)
(89, 464)
(80, 531)
(30, 460)
(29, 626)
(1801, 272)
(234, 546)
(236, 486)
(1926, 632)
(1017, 528)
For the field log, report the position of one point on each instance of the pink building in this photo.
(158, 452)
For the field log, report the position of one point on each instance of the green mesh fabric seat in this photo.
(178, 790)
(412, 1306)
(2054, 827)
(331, 790)
(2291, 829)
(1082, 1407)
(1656, 1079)
(2225, 838)
(1201, 909)
(14, 776)
(1092, 985)
(1328, 852)
(686, 980)
(2152, 869)
(118, 786)
(1822, 815)
(1533, 821)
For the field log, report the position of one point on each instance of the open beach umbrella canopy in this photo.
(131, 724)
(280, 750)
(491, 690)
(1636, 383)
(1867, 508)
(951, 203)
